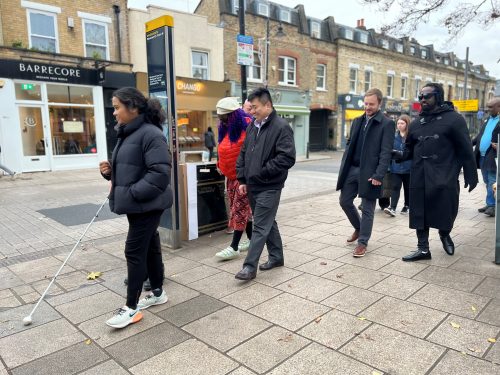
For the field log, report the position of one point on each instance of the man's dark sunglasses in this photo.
(426, 96)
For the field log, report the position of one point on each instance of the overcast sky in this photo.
(484, 45)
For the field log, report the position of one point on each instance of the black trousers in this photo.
(210, 153)
(143, 254)
(398, 180)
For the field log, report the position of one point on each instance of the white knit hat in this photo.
(227, 105)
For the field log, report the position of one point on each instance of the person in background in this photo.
(400, 172)
(140, 179)
(439, 146)
(364, 164)
(210, 142)
(262, 169)
(247, 107)
(233, 122)
(485, 153)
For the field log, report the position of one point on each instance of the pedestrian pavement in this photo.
(325, 312)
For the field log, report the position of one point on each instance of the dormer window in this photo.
(399, 47)
(285, 15)
(446, 61)
(384, 43)
(263, 9)
(423, 53)
(348, 34)
(363, 38)
(315, 30)
(412, 50)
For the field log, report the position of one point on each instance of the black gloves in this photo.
(471, 185)
(397, 155)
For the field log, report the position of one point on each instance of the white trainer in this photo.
(124, 316)
(244, 245)
(228, 253)
(152, 300)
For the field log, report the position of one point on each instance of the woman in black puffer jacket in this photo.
(140, 179)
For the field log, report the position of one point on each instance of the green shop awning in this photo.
(292, 109)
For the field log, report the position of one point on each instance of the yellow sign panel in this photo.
(159, 22)
(351, 114)
(471, 105)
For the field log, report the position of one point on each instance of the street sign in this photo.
(27, 86)
(244, 50)
(471, 105)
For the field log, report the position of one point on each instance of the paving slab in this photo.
(352, 300)
(283, 310)
(68, 361)
(194, 274)
(301, 286)
(457, 363)
(179, 264)
(11, 321)
(489, 287)
(146, 344)
(37, 342)
(305, 246)
(392, 351)
(293, 259)
(403, 269)
(105, 335)
(191, 310)
(185, 359)
(478, 267)
(9, 279)
(319, 360)
(404, 316)
(277, 276)
(251, 296)
(333, 252)
(450, 278)
(219, 285)
(449, 300)
(491, 314)
(226, 328)
(268, 349)
(176, 293)
(38, 269)
(334, 329)
(371, 260)
(396, 286)
(90, 307)
(108, 368)
(356, 276)
(494, 353)
(319, 266)
(470, 336)
(84, 291)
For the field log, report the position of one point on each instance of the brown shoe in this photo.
(359, 251)
(353, 237)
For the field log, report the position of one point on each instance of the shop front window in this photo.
(192, 126)
(69, 94)
(28, 91)
(73, 130)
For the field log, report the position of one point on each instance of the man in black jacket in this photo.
(262, 168)
(364, 165)
(485, 153)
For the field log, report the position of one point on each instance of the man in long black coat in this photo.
(439, 145)
(364, 165)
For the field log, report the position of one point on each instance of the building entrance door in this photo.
(35, 138)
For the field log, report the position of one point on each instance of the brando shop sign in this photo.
(35, 71)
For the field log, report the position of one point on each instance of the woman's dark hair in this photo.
(209, 129)
(132, 98)
(438, 90)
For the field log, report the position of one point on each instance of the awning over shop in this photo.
(292, 109)
(351, 114)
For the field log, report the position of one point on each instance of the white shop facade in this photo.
(51, 117)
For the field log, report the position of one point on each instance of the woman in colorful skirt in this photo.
(233, 122)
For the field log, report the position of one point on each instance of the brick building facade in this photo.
(59, 63)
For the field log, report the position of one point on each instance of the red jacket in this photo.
(228, 154)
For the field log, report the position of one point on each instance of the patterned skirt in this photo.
(239, 208)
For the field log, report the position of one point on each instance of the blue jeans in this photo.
(489, 178)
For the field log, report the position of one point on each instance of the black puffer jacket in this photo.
(141, 166)
(267, 155)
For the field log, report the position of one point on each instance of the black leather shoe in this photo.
(269, 265)
(417, 255)
(448, 244)
(245, 274)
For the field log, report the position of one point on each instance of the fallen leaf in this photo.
(473, 308)
(93, 275)
(288, 337)
(361, 318)
(463, 353)
(318, 319)
(88, 341)
(340, 275)
(474, 350)
(376, 373)
(455, 325)
(289, 285)
(323, 263)
(491, 339)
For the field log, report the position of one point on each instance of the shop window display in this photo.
(73, 130)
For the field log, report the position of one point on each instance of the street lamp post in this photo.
(279, 33)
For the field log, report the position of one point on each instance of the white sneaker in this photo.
(124, 316)
(152, 300)
(390, 211)
(244, 245)
(228, 253)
